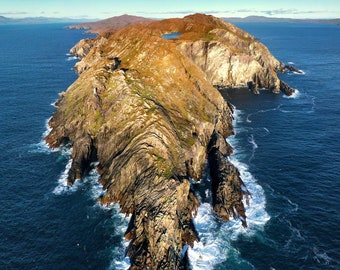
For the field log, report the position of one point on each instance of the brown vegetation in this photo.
(150, 120)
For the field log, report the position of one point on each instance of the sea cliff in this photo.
(147, 109)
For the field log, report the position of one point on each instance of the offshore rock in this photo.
(290, 68)
(286, 89)
(228, 188)
(146, 109)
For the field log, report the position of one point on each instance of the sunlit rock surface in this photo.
(147, 109)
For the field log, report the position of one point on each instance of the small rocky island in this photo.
(148, 110)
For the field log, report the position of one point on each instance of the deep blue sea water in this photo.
(287, 149)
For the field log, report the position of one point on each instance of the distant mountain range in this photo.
(277, 20)
(128, 19)
(39, 20)
(110, 24)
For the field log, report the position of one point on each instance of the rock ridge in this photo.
(146, 109)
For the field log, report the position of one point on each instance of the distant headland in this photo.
(280, 20)
(44, 20)
(38, 20)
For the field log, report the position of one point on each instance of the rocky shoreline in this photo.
(147, 110)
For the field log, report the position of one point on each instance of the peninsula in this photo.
(146, 107)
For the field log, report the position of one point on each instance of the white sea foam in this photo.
(47, 127)
(119, 261)
(295, 95)
(257, 216)
(120, 223)
(304, 103)
(252, 142)
(72, 58)
(301, 72)
(62, 186)
(54, 103)
(42, 146)
(298, 72)
(239, 118)
(238, 115)
(266, 132)
(120, 265)
(209, 251)
(261, 111)
(216, 236)
(254, 145)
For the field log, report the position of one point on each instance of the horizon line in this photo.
(154, 17)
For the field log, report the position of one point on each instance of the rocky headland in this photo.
(147, 109)
(110, 25)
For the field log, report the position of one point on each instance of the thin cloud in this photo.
(167, 12)
(288, 12)
(182, 12)
(213, 11)
(274, 12)
(14, 13)
(246, 11)
(83, 17)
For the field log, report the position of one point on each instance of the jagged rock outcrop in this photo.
(83, 47)
(146, 109)
(290, 68)
(228, 188)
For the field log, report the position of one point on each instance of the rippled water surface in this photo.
(287, 150)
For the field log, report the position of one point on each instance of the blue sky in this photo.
(101, 9)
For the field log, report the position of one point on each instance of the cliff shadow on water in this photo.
(147, 110)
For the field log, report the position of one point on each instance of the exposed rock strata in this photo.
(145, 108)
(228, 188)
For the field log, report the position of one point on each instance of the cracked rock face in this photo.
(145, 108)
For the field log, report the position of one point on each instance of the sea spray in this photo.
(255, 211)
(209, 251)
(295, 95)
(216, 236)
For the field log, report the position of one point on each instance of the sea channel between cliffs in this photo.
(147, 111)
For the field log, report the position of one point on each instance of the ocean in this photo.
(287, 150)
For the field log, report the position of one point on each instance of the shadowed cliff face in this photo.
(145, 108)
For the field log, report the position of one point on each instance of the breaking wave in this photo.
(295, 95)
(262, 111)
(216, 237)
(71, 57)
(62, 186)
(42, 146)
